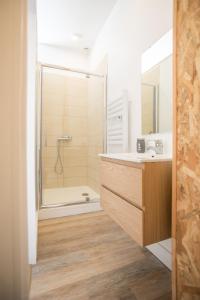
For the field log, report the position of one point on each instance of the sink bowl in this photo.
(137, 157)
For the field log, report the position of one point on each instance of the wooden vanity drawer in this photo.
(125, 214)
(123, 180)
(138, 198)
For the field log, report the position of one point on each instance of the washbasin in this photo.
(137, 157)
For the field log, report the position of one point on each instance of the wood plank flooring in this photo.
(90, 257)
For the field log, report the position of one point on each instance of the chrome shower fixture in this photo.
(59, 165)
(65, 138)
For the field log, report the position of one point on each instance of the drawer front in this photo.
(126, 215)
(123, 180)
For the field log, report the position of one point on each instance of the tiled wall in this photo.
(73, 106)
(64, 112)
(186, 213)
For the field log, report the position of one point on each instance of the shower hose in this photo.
(58, 165)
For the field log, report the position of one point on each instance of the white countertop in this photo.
(137, 157)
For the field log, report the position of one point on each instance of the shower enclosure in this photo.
(72, 135)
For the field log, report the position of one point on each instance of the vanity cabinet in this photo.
(138, 197)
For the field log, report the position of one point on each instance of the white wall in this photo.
(166, 95)
(31, 132)
(63, 57)
(133, 26)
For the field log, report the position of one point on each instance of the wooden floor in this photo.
(90, 257)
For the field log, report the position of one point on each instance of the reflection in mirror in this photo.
(157, 98)
(156, 88)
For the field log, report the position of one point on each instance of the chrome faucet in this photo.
(155, 145)
(159, 147)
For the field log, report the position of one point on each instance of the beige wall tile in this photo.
(51, 152)
(60, 181)
(93, 162)
(49, 163)
(49, 173)
(52, 82)
(75, 181)
(50, 183)
(72, 106)
(76, 100)
(77, 87)
(53, 125)
(53, 98)
(75, 171)
(75, 126)
(53, 110)
(75, 152)
(75, 162)
(93, 184)
(75, 111)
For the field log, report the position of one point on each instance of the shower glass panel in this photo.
(71, 136)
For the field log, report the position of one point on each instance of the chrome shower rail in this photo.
(71, 70)
(68, 204)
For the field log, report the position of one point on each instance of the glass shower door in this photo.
(71, 137)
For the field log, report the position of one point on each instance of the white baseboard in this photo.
(64, 211)
(163, 252)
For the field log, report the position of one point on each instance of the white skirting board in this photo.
(70, 210)
(163, 252)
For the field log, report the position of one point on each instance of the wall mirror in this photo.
(156, 87)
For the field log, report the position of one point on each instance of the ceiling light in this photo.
(76, 36)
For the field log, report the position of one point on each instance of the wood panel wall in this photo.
(187, 150)
(14, 268)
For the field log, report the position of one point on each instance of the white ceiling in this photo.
(58, 20)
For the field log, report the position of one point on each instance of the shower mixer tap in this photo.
(65, 138)
(58, 168)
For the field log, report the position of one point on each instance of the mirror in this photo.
(156, 89)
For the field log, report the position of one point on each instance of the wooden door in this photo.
(186, 171)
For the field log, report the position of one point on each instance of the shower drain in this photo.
(87, 198)
(85, 194)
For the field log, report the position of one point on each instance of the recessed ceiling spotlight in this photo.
(76, 36)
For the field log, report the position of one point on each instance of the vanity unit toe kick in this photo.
(138, 197)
